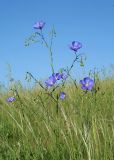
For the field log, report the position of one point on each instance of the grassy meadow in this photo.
(81, 127)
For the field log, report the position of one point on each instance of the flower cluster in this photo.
(54, 78)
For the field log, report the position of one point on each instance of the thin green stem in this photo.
(50, 50)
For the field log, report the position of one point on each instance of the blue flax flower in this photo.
(50, 81)
(75, 46)
(62, 95)
(87, 83)
(57, 76)
(10, 99)
(39, 25)
(54, 78)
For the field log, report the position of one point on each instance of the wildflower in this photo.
(62, 95)
(75, 46)
(53, 79)
(87, 83)
(50, 81)
(10, 99)
(57, 76)
(39, 25)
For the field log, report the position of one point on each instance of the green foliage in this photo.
(83, 129)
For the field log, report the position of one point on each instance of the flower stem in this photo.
(50, 50)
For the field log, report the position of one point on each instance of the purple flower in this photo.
(62, 95)
(50, 81)
(10, 99)
(87, 83)
(53, 79)
(75, 46)
(39, 25)
(57, 76)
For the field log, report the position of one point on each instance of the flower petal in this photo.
(84, 87)
(82, 82)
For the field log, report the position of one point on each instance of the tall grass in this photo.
(82, 129)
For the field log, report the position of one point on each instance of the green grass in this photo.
(83, 128)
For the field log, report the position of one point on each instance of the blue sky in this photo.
(88, 21)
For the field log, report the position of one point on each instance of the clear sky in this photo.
(88, 21)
